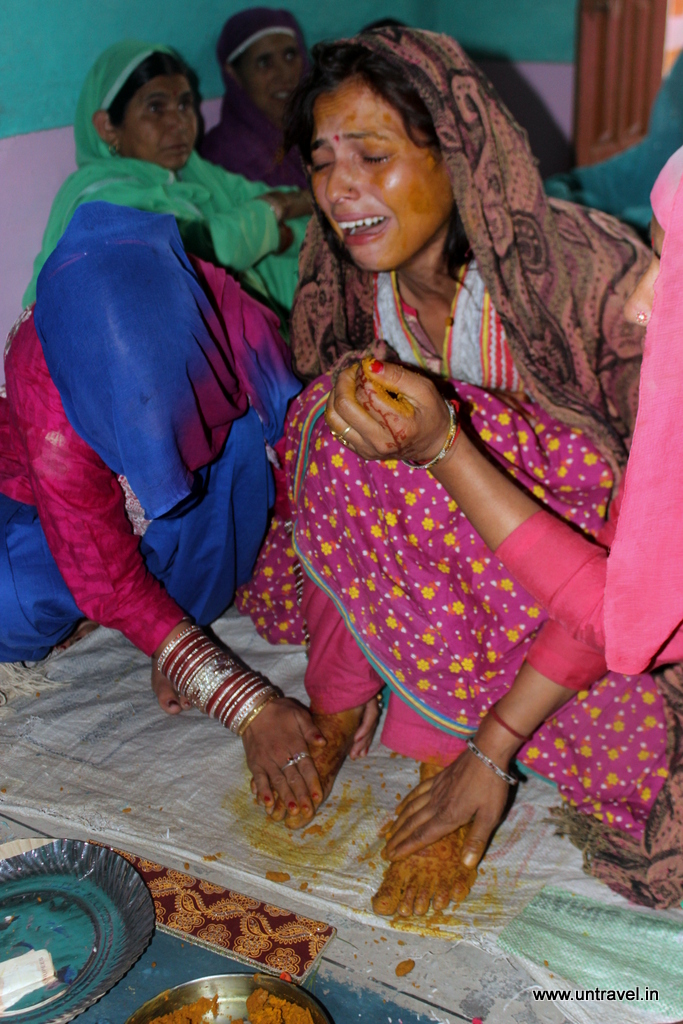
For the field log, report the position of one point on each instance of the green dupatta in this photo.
(219, 217)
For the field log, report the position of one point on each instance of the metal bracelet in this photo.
(228, 697)
(194, 663)
(240, 704)
(256, 712)
(244, 689)
(199, 671)
(208, 659)
(451, 436)
(266, 691)
(247, 706)
(173, 643)
(182, 651)
(204, 682)
(510, 779)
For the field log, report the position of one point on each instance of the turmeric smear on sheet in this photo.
(312, 849)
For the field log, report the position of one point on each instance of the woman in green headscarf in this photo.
(135, 129)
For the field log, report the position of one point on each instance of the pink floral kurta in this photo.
(433, 610)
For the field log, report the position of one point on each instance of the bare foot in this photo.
(169, 701)
(84, 627)
(434, 875)
(339, 730)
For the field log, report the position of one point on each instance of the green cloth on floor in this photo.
(603, 946)
(621, 185)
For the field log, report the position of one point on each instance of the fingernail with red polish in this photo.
(267, 799)
(292, 806)
(376, 366)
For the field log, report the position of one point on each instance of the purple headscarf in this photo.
(244, 141)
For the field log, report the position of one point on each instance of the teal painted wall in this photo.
(46, 46)
(519, 30)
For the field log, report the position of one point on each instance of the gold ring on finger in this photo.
(341, 437)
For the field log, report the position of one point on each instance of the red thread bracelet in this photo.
(496, 718)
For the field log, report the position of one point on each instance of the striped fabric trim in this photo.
(312, 418)
(498, 369)
(439, 720)
(447, 356)
(398, 305)
(475, 347)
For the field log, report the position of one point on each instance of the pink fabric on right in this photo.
(560, 657)
(566, 574)
(563, 570)
(665, 188)
(644, 589)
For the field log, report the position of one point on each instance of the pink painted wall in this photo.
(32, 168)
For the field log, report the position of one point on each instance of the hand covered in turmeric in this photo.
(383, 411)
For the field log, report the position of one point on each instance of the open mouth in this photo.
(363, 226)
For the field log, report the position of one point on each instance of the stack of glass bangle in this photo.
(213, 681)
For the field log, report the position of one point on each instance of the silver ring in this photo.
(295, 760)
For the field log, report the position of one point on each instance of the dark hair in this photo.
(335, 63)
(158, 63)
(383, 23)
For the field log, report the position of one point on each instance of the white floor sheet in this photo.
(86, 752)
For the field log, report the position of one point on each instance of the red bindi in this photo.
(336, 138)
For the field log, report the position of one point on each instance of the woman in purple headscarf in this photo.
(262, 55)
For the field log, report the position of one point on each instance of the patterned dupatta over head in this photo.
(558, 274)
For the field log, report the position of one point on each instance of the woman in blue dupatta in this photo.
(144, 393)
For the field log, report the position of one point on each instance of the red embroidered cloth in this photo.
(228, 922)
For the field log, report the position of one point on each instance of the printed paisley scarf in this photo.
(558, 274)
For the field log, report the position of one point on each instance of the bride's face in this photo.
(638, 306)
(387, 198)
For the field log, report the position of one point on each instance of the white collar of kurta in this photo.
(465, 355)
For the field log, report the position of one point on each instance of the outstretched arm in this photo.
(468, 790)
